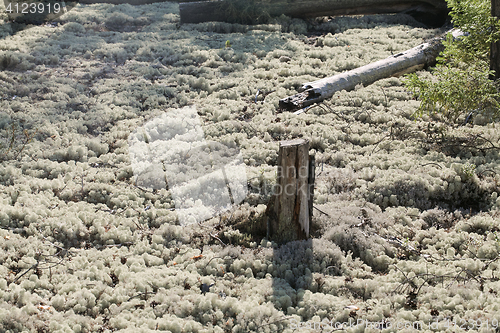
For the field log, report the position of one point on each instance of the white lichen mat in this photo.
(170, 152)
(90, 216)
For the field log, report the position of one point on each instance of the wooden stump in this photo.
(289, 211)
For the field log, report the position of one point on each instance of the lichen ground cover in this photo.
(405, 234)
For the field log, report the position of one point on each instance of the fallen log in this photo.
(405, 62)
(131, 2)
(245, 11)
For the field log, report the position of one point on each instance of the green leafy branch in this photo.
(460, 85)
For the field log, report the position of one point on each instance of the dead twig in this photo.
(464, 274)
(117, 245)
(432, 163)
(330, 110)
(321, 211)
(487, 140)
(385, 96)
(487, 170)
(39, 265)
(12, 139)
(27, 139)
(383, 138)
(146, 293)
(217, 238)
(274, 322)
(26, 272)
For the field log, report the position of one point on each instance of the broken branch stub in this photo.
(405, 62)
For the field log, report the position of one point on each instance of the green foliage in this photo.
(456, 92)
(460, 83)
(469, 170)
(473, 17)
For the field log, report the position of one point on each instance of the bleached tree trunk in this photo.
(405, 62)
(289, 211)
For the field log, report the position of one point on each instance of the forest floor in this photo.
(408, 214)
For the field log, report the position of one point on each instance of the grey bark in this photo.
(196, 12)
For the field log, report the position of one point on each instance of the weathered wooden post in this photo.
(289, 211)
